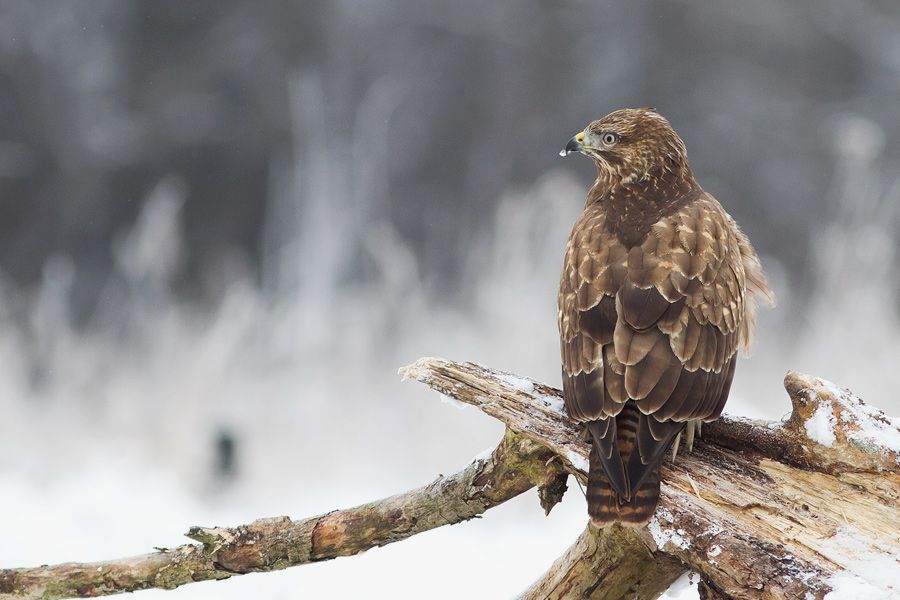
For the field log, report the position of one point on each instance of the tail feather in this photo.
(606, 506)
(632, 501)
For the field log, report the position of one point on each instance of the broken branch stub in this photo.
(802, 509)
(838, 430)
(759, 510)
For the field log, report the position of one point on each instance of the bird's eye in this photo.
(609, 138)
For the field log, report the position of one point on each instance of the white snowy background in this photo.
(108, 420)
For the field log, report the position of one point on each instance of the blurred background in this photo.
(224, 225)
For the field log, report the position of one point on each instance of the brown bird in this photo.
(658, 290)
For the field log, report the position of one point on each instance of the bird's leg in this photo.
(692, 427)
(675, 446)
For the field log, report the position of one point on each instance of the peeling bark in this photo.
(760, 510)
(706, 591)
(816, 404)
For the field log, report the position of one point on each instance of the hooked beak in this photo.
(574, 145)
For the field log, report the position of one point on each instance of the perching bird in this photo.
(658, 290)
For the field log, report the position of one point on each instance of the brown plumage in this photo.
(658, 291)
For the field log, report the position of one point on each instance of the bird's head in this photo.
(632, 144)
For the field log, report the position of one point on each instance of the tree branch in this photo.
(761, 510)
(607, 565)
(516, 465)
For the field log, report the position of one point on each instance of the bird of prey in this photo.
(658, 291)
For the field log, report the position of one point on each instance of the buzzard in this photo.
(658, 291)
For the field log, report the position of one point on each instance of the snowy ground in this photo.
(107, 442)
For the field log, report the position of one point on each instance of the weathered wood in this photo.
(817, 405)
(707, 592)
(607, 564)
(801, 509)
(516, 465)
(739, 509)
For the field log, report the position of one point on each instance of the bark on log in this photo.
(801, 509)
(516, 465)
(761, 510)
(607, 565)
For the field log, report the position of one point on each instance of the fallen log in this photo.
(807, 508)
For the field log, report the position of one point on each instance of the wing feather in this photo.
(657, 324)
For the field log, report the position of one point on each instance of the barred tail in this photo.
(633, 501)
(606, 506)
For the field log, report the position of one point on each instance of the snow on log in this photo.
(805, 509)
(808, 508)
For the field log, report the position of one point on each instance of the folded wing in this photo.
(657, 324)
